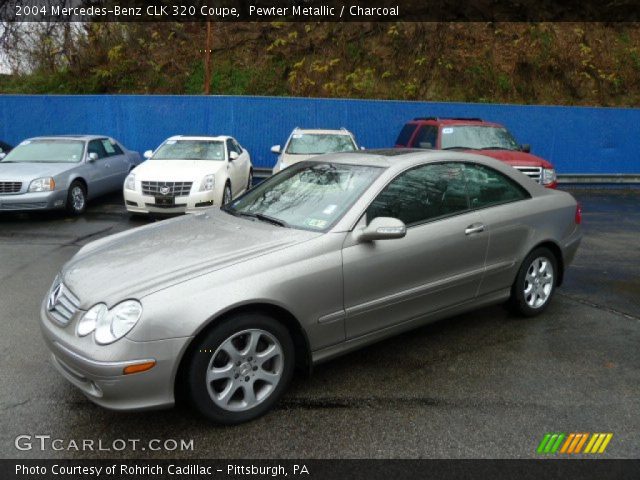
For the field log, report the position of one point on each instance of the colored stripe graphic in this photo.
(573, 443)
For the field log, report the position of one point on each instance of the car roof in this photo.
(454, 121)
(84, 138)
(322, 131)
(219, 138)
(402, 158)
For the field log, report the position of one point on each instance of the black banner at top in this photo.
(319, 10)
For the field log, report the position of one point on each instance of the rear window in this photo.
(405, 135)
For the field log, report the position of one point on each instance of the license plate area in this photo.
(165, 201)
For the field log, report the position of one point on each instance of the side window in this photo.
(96, 146)
(422, 194)
(487, 187)
(111, 147)
(405, 134)
(229, 147)
(426, 137)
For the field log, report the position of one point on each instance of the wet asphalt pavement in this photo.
(485, 384)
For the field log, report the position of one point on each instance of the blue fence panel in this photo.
(578, 140)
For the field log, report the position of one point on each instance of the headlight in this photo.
(110, 325)
(548, 176)
(88, 322)
(130, 182)
(207, 183)
(46, 184)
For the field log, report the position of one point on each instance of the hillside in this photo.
(568, 63)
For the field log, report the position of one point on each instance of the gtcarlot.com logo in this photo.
(573, 443)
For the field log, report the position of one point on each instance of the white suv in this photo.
(187, 174)
(305, 143)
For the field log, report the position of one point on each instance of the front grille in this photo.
(166, 189)
(532, 172)
(62, 304)
(10, 187)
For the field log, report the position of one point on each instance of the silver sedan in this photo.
(325, 257)
(47, 173)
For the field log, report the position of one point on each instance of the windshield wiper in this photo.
(494, 148)
(452, 148)
(259, 216)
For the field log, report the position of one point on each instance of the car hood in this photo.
(289, 159)
(515, 158)
(30, 171)
(141, 261)
(176, 170)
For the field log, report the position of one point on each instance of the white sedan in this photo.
(187, 174)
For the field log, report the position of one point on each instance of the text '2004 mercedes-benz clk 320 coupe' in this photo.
(325, 257)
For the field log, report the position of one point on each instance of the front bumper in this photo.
(98, 370)
(33, 201)
(136, 202)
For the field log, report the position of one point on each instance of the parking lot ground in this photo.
(481, 385)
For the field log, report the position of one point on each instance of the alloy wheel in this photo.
(538, 282)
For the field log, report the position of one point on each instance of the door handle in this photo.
(474, 228)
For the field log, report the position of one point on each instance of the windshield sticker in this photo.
(315, 223)
(446, 131)
(330, 209)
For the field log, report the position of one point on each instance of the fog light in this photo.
(138, 367)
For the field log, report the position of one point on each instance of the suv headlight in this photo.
(45, 184)
(130, 182)
(110, 325)
(207, 183)
(548, 176)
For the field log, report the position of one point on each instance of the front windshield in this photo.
(317, 144)
(307, 195)
(46, 151)
(190, 150)
(475, 137)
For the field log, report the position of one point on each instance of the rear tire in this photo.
(535, 283)
(76, 198)
(240, 368)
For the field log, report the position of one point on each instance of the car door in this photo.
(244, 162)
(234, 169)
(438, 264)
(505, 217)
(99, 171)
(119, 164)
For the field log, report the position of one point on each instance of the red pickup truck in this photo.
(477, 136)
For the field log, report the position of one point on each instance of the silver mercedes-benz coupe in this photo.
(325, 257)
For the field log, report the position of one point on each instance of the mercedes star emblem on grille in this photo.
(54, 296)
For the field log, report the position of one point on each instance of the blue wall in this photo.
(575, 139)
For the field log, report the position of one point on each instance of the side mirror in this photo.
(233, 156)
(382, 228)
(525, 147)
(275, 149)
(148, 154)
(92, 157)
(362, 147)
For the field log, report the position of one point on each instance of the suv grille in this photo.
(532, 172)
(168, 189)
(62, 305)
(10, 187)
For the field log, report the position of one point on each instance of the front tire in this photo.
(250, 180)
(240, 368)
(76, 199)
(535, 284)
(226, 194)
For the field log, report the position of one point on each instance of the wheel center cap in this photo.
(244, 369)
